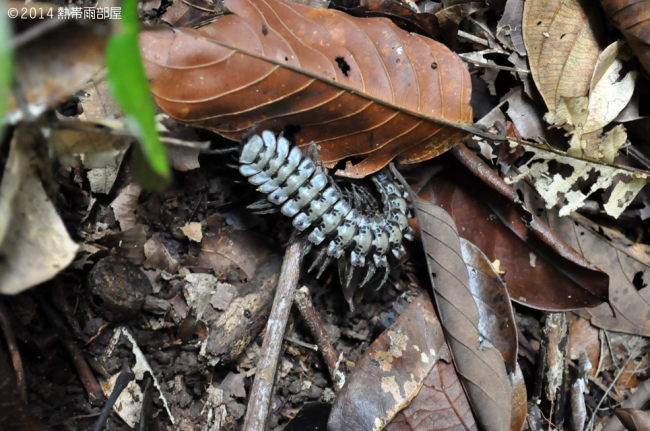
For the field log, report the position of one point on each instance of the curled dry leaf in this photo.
(391, 371)
(496, 318)
(634, 420)
(441, 404)
(633, 19)
(561, 38)
(541, 270)
(480, 365)
(34, 242)
(372, 90)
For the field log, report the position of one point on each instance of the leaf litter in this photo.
(192, 234)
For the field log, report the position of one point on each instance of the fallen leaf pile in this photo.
(136, 299)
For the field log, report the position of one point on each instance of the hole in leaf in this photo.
(265, 30)
(638, 281)
(343, 65)
(520, 194)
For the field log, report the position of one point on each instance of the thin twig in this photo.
(494, 66)
(611, 350)
(468, 36)
(260, 399)
(618, 375)
(317, 329)
(13, 350)
(297, 342)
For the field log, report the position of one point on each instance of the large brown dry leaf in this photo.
(34, 243)
(480, 366)
(632, 17)
(391, 371)
(355, 87)
(496, 318)
(441, 405)
(561, 40)
(541, 270)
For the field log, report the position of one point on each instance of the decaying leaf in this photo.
(584, 118)
(509, 28)
(480, 365)
(401, 13)
(633, 19)
(583, 337)
(125, 204)
(193, 231)
(141, 365)
(43, 64)
(162, 253)
(441, 404)
(185, 13)
(561, 38)
(233, 255)
(390, 372)
(550, 188)
(372, 91)
(519, 400)
(539, 269)
(129, 404)
(626, 263)
(34, 242)
(98, 103)
(496, 318)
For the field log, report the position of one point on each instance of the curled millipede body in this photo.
(334, 218)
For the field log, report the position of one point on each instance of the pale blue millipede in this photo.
(302, 190)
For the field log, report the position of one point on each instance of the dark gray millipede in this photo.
(305, 192)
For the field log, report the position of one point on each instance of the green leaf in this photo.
(6, 64)
(131, 90)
